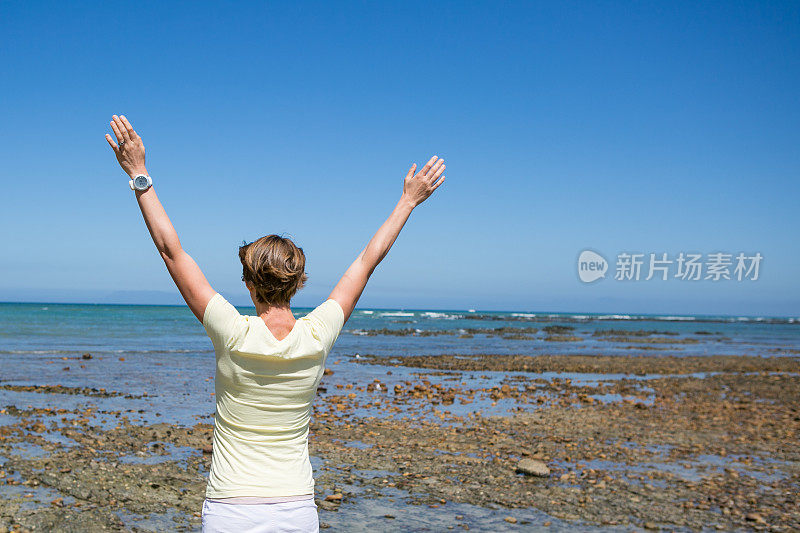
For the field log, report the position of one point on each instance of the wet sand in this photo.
(673, 443)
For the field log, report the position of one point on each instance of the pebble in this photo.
(755, 517)
(532, 467)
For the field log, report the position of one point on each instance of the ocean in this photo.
(152, 331)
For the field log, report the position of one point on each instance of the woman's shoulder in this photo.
(222, 320)
(326, 321)
(329, 310)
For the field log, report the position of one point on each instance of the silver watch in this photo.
(140, 182)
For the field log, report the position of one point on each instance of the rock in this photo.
(86, 356)
(208, 448)
(532, 467)
(755, 517)
(334, 497)
(327, 506)
(510, 519)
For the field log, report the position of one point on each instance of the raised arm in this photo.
(416, 189)
(190, 280)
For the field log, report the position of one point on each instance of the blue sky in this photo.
(649, 126)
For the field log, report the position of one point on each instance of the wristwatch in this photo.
(140, 182)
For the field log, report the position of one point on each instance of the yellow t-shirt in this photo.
(264, 388)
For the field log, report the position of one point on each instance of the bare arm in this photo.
(416, 189)
(190, 280)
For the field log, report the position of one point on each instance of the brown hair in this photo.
(275, 267)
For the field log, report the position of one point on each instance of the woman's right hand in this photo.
(418, 187)
(130, 150)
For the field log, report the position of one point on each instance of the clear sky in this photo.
(645, 127)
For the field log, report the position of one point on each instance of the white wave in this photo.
(524, 315)
(677, 318)
(613, 317)
(396, 313)
(442, 316)
(366, 312)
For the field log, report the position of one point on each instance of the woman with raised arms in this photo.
(268, 366)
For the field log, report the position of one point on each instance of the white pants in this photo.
(289, 517)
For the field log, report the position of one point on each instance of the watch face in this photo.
(140, 182)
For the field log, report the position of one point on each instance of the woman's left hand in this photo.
(418, 187)
(129, 147)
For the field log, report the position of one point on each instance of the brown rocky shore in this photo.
(601, 364)
(680, 444)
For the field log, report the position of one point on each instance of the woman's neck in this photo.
(278, 318)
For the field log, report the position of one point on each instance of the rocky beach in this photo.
(434, 442)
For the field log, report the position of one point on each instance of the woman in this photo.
(268, 366)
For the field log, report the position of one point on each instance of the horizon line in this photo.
(470, 310)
